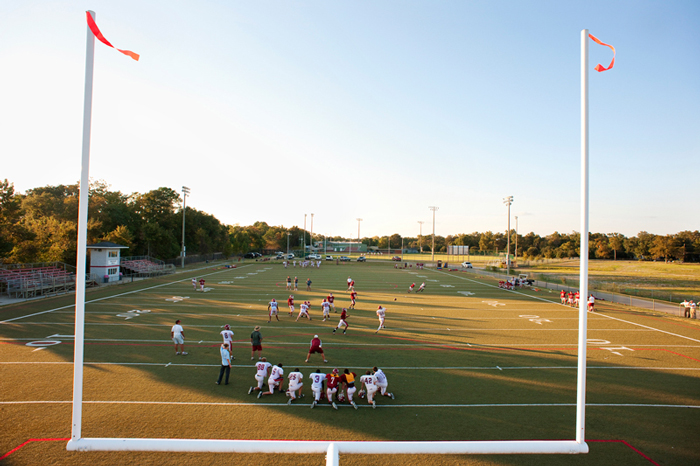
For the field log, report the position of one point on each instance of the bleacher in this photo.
(145, 266)
(31, 280)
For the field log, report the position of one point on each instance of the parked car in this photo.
(344, 259)
(467, 265)
(314, 257)
(396, 258)
(250, 255)
(362, 259)
(290, 256)
(329, 258)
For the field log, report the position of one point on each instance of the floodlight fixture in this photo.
(185, 192)
(508, 201)
(432, 256)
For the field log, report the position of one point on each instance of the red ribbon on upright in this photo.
(96, 31)
(599, 68)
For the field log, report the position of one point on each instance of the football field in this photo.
(465, 359)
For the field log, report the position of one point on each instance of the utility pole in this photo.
(420, 236)
(303, 248)
(185, 192)
(433, 208)
(287, 258)
(311, 238)
(516, 239)
(358, 234)
(508, 201)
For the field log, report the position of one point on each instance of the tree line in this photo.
(41, 226)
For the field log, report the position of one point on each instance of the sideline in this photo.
(554, 302)
(117, 295)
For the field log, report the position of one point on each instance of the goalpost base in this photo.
(319, 447)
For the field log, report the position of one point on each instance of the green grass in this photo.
(461, 367)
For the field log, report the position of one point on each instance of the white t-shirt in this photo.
(317, 380)
(177, 330)
(228, 336)
(381, 378)
(380, 312)
(277, 373)
(326, 306)
(295, 378)
(262, 368)
(591, 300)
(369, 380)
(273, 305)
(303, 309)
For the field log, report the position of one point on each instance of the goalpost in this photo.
(331, 448)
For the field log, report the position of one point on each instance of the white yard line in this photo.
(306, 405)
(426, 368)
(113, 296)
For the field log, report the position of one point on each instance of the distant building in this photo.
(105, 259)
(341, 246)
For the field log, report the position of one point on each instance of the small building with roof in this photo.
(105, 258)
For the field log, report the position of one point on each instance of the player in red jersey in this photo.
(571, 298)
(353, 295)
(562, 295)
(290, 303)
(410, 288)
(201, 284)
(316, 347)
(343, 316)
(330, 298)
(332, 383)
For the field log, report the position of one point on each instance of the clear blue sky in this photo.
(375, 109)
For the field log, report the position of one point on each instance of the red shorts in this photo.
(316, 349)
(257, 347)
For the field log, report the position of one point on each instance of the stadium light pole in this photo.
(358, 234)
(303, 248)
(311, 234)
(432, 256)
(420, 236)
(516, 240)
(185, 192)
(288, 233)
(508, 201)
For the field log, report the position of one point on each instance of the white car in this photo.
(329, 258)
(314, 257)
(467, 265)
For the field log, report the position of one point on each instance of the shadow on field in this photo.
(449, 385)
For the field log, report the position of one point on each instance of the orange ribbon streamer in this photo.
(96, 31)
(599, 68)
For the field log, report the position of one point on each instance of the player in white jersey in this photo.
(227, 334)
(262, 368)
(304, 311)
(194, 284)
(272, 310)
(421, 287)
(325, 305)
(275, 381)
(296, 382)
(369, 382)
(317, 379)
(382, 382)
(381, 313)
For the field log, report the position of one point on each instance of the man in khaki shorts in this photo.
(178, 336)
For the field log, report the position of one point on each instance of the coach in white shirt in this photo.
(178, 336)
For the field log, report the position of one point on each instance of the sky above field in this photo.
(269, 110)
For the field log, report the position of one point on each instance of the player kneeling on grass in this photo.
(369, 384)
(382, 382)
(295, 384)
(275, 380)
(332, 382)
(348, 379)
(317, 379)
(262, 368)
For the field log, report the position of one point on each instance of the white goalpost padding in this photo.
(331, 448)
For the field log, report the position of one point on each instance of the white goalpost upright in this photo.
(332, 448)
